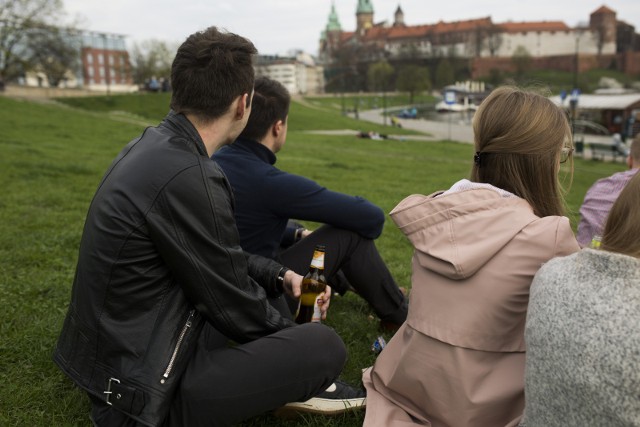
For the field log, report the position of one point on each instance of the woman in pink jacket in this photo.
(459, 358)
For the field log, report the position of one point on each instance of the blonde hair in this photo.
(519, 136)
(622, 229)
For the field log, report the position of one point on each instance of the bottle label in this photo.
(308, 299)
(317, 315)
(318, 259)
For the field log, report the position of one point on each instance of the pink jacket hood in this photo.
(456, 234)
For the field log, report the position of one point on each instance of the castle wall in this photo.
(552, 43)
(628, 63)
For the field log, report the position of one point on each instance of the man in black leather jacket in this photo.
(162, 283)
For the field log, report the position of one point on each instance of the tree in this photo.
(338, 72)
(347, 70)
(412, 79)
(55, 52)
(152, 58)
(521, 59)
(409, 51)
(19, 21)
(600, 36)
(379, 76)
(494, 39)
(445, 73)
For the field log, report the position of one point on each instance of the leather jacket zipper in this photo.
(174, 355)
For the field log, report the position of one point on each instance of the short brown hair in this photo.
(211, 69)
(519, 136)
(622, 228)
(270, 103)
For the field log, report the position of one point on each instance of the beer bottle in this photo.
(313, 284)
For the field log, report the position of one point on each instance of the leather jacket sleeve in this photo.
(192, 224)
(264, 271)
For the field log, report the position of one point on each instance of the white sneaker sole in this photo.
(317, 405)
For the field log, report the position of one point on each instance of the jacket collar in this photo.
(259, 150)
(181, 125)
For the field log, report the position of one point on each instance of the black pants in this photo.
(358, 259)
(226, 384)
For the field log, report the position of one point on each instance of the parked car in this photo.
(598, 138)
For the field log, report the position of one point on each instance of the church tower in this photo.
(398, 19)
(364, 16)
(330, 36)
(604, 20)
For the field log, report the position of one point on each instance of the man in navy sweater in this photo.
(266, 198)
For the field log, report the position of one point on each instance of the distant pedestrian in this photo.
(154, 85)
(166, 86)
(601, 196)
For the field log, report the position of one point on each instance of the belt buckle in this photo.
(108, 391)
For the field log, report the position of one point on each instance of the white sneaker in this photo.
(337, 399)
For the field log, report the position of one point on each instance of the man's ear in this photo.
(241, 106)
(276, 128)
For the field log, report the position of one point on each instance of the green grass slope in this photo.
(53, 157)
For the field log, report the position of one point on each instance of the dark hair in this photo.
(270, 103)
(210, 70)
(519, 136)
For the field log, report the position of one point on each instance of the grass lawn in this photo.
(51, 160)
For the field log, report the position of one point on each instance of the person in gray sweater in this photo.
(583, 330)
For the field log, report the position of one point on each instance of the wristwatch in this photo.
(280, 279)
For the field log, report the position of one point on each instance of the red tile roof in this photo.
(603, 9)
(417, 31)
(471, 24)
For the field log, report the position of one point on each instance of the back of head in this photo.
(270, 103)
(622, 230)
(519, 136)
(210, 70)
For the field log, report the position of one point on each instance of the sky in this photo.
(279, 26)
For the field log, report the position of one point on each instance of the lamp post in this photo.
(575, 93)
(384, 105)
(342, 89)
(106, 63)
(573, 104)
(576, 65)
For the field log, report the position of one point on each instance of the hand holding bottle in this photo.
(314, 298)
(292, 284)
(324, 301)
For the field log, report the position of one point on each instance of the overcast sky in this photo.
(277, 26)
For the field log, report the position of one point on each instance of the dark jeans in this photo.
(226, 384)
(358, 259)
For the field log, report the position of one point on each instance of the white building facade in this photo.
(298, 74)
